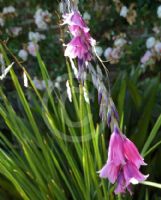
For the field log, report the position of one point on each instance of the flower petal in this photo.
(132, 174)
(131, 153)
(110, 171)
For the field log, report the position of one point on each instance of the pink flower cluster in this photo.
(123, 163)
(80, 46)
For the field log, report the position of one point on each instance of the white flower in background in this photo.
(157, 47)
(115, 54)
(57, 85)
(41, 18)
(16, 31)
(32, 47)
(146, 57)
(41, 24)
(1, 22)
(59, 79)
(159, 11)
(38, 84)
(23, 54)
(123, 12)
(143, 66)
(120, 42)
(107, 52)
(8, 10)
(150, 42)
(86, 16)
(35, 36)
(69, 93)
(61, 7)
(99, 50)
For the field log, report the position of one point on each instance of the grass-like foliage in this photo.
(50, 150)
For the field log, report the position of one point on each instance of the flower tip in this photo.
(144, 163)
(146, 176)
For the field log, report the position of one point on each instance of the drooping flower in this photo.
(123, 163)
(80, 46)
(115, 158)
(80, 31)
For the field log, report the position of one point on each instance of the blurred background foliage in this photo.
(136, 86)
